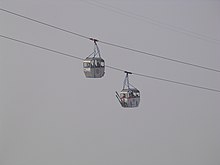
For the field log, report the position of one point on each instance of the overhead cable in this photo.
(151, 21)
(109, 66)
(112, 44)
(43, 23)
(161, 57)
(40, 47)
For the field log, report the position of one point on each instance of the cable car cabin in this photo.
(129, 98)
(94, 67)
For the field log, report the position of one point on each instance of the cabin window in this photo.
(122, 95)
(138, 94)
(97, 63)
(102, 64)
(92, 63)
(86, 64)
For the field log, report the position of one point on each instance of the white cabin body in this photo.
(94, 67)
(130, 98)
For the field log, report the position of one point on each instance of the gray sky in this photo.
(51, 114)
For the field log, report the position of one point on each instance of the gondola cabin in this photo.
(94, 67)
(129, 97)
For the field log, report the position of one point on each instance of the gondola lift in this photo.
(94, 65)
(129, 96)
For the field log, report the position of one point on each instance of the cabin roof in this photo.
(88, 59)
(131, 89)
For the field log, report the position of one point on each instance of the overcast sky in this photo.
(51, 114)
